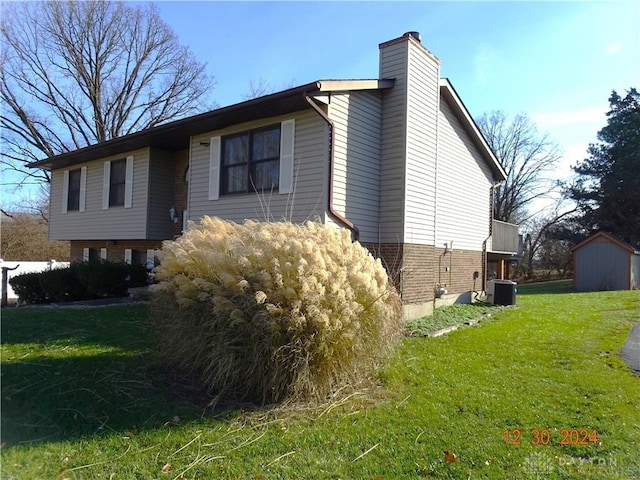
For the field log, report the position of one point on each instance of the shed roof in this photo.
(610, 238)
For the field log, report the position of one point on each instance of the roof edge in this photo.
(356, 84)
(194, 119)
(608, 236)
(447, 86)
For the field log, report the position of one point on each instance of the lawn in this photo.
(535, 391)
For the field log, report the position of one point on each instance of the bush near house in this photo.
(79, 281)
(265, 312)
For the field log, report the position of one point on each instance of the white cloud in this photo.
(613, 48)
(487, 62)
(555, 119)
(573, 154)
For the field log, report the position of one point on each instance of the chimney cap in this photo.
(415, 35)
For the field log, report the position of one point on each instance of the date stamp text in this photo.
(566, 436)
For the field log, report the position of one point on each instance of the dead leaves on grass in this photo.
(450, 457)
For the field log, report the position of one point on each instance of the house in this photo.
(603, 262)
(397, 160)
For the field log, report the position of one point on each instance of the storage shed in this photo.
(603, 262)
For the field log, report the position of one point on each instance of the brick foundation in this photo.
(416, 269)
(115, 249)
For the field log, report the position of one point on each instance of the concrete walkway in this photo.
(631, 349)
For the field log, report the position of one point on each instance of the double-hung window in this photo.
(73, 195)
(117, 181)
(74, 184)
(250, 161)
(258, 160)
(117, 187)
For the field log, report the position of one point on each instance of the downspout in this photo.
(485, 252)
(340, 218)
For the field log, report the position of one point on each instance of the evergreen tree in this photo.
(607, 190)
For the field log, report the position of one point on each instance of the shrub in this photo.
(101, 278)
(273, 311)
(27, 287)
(137, 275)
(61, 285)
(79, 281)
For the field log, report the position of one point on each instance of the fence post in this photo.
(5, 281)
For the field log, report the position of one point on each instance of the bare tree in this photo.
(258, 88)
(78, 73)
(542, 233)
(261, 87)
(24, 237)
(526, 156)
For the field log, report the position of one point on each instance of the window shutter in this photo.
(127, 256)
(128, 183)
(185, 220)
(151, 259)
(65, 191)
(214, 168)
(85, 254)
(106, 180)
(103, 253)
(83, 188)
(287, 139)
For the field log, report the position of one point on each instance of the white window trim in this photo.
(128, 254)
(103, 254)
(151, 259)
(65, 191)
(106, 183)
(287, 141)
(215, 144)
(85, 254)
(185, 220)
(128, 183)
(83, 189)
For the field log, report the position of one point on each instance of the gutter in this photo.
(337, 216)
(485, 251)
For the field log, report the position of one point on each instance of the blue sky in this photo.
(555, 61)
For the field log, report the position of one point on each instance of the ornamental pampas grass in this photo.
(272, 311)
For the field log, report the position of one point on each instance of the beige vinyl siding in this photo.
(393, 64)
(464, 182)
(357, 122)
(409, 126)
(161, 197)
(114, 223)
(308, 201)
(422, 115)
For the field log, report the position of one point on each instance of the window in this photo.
(136, 257)
(250, 161)
(117, 187)
(117, 182)
(74, 184)
(94, 254)
(259, 160)
(73, 196)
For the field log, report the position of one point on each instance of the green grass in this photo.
(83, 398)
(448, 316)
(547, 288)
